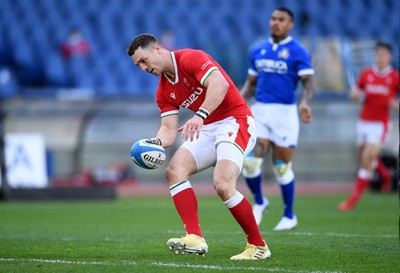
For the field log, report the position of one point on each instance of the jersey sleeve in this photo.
(252, 67)
(199, 64)
(362, 80)
(166, 108)
(396, 84)
(304, 66)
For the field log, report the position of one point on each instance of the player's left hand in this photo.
(305, 113)
(154, 140)
(191, 128)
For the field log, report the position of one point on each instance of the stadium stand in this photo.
(33, 30)
(102, 102)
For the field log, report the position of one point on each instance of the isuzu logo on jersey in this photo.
(192, 97)
(271, 66)
(377, 89)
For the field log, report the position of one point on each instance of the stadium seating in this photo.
(8, 83)
(33, 30)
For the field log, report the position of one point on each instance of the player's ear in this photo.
(291, 25)
(157, 48)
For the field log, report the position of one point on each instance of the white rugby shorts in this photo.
(230, 139)
(371, 132)
(277, 122)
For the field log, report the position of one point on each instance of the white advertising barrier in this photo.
(26, 161)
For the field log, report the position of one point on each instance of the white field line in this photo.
(156, 264)
(331, 234)
(217, 267)
(54, 261)
(179, 233)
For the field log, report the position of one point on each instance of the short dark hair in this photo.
(142, 40)
(381, 44)
(288, 11)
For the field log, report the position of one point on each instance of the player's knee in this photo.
(224, 187)
(283, 172)
(252, 166)
(169, 173)
(221, 189)
(175, 174)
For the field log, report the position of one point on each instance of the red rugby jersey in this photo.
(192, 67)
(379, 88)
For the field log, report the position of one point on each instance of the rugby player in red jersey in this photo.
(378, 86)
(220, 134)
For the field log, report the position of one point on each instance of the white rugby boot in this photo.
(189, 244)
(258, 210)
(286, 223)
(253, 252)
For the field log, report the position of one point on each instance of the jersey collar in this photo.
(175, 69)
(283, 42)
(386, 71)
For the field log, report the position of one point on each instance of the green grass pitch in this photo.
(130, 234)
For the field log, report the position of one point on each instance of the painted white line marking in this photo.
(216, 267)
(53, 261)
(178, 232)
(156, 264)
(342, 234)
(333, 234)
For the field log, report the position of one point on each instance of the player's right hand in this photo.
(355, 95)
(191, 128)
(305, 113)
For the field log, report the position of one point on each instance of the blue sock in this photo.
(288, 198)
(255, 188)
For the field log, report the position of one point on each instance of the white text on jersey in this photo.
(271, 66)
(192, 98)
(377, 89)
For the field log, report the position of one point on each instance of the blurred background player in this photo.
(168, 40)
(75, 44)
(220, 134)
(276, 66)
(377, 87)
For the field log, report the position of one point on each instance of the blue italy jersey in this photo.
(278, 68)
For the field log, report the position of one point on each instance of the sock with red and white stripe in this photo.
(362, 183)
(185, 201)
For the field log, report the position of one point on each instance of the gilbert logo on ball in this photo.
(147, 155)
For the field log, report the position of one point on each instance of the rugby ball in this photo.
(147, 155)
